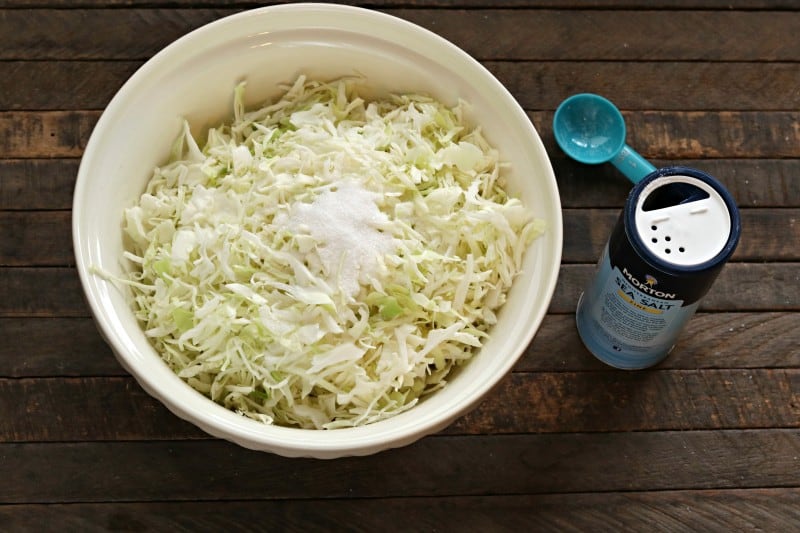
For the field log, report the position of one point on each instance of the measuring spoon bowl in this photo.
(591, 130)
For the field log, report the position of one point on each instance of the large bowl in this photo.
(194, 78)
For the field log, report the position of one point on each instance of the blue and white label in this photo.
(678, 228)
(628, 322)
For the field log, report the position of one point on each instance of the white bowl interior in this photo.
(194, 78)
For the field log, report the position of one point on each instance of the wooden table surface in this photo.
(708, 440)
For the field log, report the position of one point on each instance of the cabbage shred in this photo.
(326, 260)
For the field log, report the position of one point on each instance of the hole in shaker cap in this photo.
(671, 194)
(680, 219)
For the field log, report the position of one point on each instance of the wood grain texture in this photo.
(41, 292)
(97, 34)
(45, 135)
(637, 401)
(56, 291)
(561, 4)
(72, 347)
(37, 183)
(537, 85)
(660, 134)
(54, 347)
(27, 85)
(710, 340)
(41, 238)
(436, 466)
(45, 184)
(708, 440)
(665, 511)
(618, 35)
(767, 234)
(752, 182)
(737, 86)
(44, 238)
(701, 135)
(113, 408)
(116, 408)
(486, 34)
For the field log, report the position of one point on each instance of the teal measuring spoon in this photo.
(591, 130)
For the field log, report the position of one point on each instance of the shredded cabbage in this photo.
(325, 261)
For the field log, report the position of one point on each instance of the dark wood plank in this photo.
(113, 408)
(40, 85)
(37, 183)
(752, 182)
(560, 4)
(537, 85)
(54, 347)
(635, 35)
(47, 134)
(739, 289)
(737, 86)
(44, 238)
(731, 134)
(700, 135)
(41, 238)
(48, 183)
(637, 401)
(56, 291)
(442, 466)
(656, 134)
(710, 340)
(116, 408)
(707, 510)
(707, 441)
(767, 234)
(58, 347)
(486, 34)
(41, 292)
(97, 34)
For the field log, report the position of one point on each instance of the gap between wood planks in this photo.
(775, 509)
(441, 465)
(73, 409)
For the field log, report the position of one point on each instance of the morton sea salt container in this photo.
(678, 228)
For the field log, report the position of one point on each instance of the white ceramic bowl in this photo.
(193, 78)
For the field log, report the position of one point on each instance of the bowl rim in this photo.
(216, 419)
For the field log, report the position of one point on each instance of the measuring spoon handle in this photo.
(634, 166)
